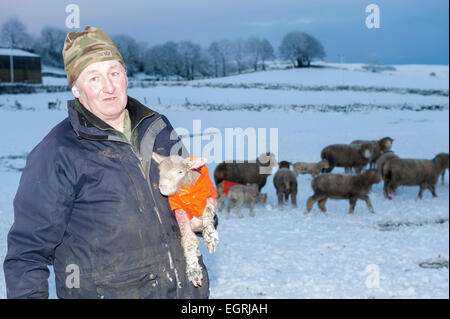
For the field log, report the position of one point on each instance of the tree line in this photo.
(185, 59)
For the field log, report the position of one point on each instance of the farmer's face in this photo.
(102, 89)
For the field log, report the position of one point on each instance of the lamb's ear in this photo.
(195, 162)
(158, 158)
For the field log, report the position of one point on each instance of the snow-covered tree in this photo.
(300, 48)
(14, 34)
(267, 52)
(129, 49)
(49, 45)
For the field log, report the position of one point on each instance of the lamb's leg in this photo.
(210, 234)
(312, 200)
(432, 190)
(422, 187)
(280, 199)
(322, 205)
(189, 242)
(386, 190)
(252, 207)
(239, 203)
(220, 201)
(294, 199)
(442, 177)
(352, 204)
(230, 203)
(369, 204)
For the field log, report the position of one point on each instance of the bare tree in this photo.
(216, 58)
(300, 48)
(226, 52)
(129, 49)
(252, 46)
(266, 51)
(239, 53)
(14, 34)
(49, 45)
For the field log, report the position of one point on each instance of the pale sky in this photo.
(411, 31)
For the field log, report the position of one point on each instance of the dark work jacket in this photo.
(88, 203)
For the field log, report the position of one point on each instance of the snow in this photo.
(289, 253)
(16, 52)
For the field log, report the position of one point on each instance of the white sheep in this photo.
(176, 172)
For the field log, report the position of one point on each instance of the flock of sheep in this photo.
(384, 165)
(242, 182)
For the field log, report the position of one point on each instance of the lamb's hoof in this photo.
(194, 274)
(210, 238)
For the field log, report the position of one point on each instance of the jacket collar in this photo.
(87, 125)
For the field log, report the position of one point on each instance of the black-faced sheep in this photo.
(311, 168)
(378, 148)
(285, 182)
(413, 172)
(176, 172)
(337, 186)
(246, 172)
(347, 156)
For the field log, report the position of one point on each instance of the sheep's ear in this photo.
(158, 158)
(196, 162)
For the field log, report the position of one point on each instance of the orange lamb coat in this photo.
(192, 199)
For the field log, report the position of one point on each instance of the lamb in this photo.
(311, 168)
(285, 182)
(413, 172)
(242, 194)
(177, 177)
(246, 172)
(378, 148)
(222, 193)
(351, 187)
(347, 156)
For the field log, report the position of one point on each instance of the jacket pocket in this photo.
(132, 284)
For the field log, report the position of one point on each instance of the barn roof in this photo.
(16, 52)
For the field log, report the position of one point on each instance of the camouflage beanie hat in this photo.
(86, 47)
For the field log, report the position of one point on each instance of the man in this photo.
(88, 202)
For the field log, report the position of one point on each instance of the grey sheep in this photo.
(347, 156)
(337, 186)
(241, 194)
(413, 172)
(379, 147)
(221, 197)
(311, 168)
(285, 182)
(246, 172)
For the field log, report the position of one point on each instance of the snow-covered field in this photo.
(402, 251)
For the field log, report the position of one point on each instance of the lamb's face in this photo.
(171, 173)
